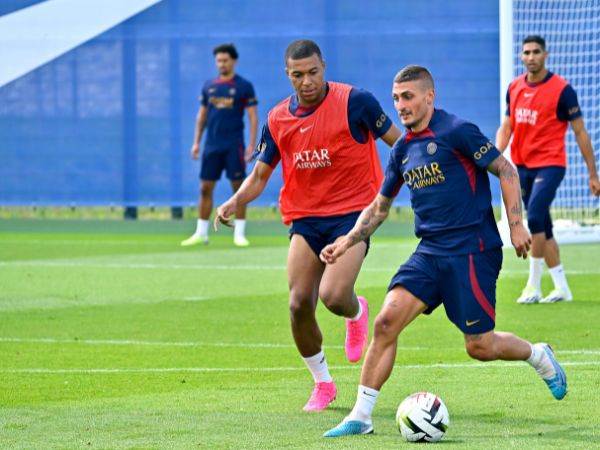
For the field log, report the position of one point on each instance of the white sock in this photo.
(540, 362)
(358, 314)
(202, 227)
(535, 272)
(239, 228)
(365, 402)
(558, 276)
(317, 364)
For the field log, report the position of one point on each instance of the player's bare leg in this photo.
(239, 231)
(240, 212)
(337, 285)
(400, 308)
(304, 275)
(551, 253)
(205, 204)
(337, 293)
(538, 244)
(495, 345)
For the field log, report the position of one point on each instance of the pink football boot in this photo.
(357, 333)
(322, 395)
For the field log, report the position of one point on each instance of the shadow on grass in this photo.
(527, 428)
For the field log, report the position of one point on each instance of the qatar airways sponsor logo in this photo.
(312, 159)
(526, 115)
(423, 176)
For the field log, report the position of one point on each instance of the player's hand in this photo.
(595, 185)
(224, 213)
(521, 240)
(248, 153)
(331, 252)
(195, 151)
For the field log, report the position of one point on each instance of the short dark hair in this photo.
(226, 48)
(412, 73)
(302, 48)
(537, 39)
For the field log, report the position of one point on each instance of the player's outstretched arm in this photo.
(503, 134)
(366, 224)
(511, 195)
(251, 188)
(587, 151)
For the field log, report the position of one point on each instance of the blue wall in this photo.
(111, 122)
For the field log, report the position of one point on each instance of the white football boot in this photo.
(558, 295)
(194, 239)
(530, 295)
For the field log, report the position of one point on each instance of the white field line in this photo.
(579, 352)
(148, 343)
(165, 242)
(97, 265)
(140, 242)
(164, 344)
(228, 344)
(261, 267)
(504, 364)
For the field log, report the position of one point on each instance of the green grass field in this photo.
(112, 336)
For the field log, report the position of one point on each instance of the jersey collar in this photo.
(427, 132)
(220, 80)
(546, 78)
(301, 111)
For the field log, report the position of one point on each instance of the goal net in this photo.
(571, 29)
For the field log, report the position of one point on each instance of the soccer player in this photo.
(222, 105)
(540, 104)
(444, 162)
(324, 135)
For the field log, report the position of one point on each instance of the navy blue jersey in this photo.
(567, 108)
(364, 116)
(226, 101)
(444, 166)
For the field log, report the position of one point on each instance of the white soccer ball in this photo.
(422, 417)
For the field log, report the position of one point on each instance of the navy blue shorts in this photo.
(322, 231)
(215, 161)
(465, 284)
(538, 189)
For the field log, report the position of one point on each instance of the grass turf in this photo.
(112, 336)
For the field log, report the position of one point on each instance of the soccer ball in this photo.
(422, 417)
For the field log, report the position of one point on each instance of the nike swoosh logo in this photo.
(538, 180)
(528, 95)
(472, 322)
(303, 130)
(368, 394)
(405, 160)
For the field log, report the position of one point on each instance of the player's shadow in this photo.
(342, 409)
(383, 415)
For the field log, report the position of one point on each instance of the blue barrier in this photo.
(111, 122)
